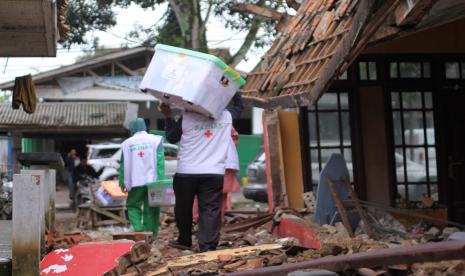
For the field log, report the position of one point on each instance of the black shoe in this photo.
(178, 245)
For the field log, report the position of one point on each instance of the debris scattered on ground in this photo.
(55, 240)
(255, 229)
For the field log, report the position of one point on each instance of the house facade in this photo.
(392, 102)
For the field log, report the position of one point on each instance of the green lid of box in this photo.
(234, 75)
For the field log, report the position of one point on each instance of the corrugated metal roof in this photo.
(53, 93)
(69, 115)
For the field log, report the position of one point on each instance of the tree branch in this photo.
(248, 42)
(207, 16)
(180, 16)
(195, 26)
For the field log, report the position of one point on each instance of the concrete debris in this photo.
(446, 232)
(447, 268)
(330, 229)
(341, 230)
(251, 245)
(55, 240)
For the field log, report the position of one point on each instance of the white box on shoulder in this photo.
(191, 80)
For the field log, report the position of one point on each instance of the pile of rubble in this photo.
(259, 246)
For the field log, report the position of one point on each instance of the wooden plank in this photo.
(101, 211)
(429, 252)
(340, 207)
(257, 10)
(19, 44)
(274, 161)
(410, 13)
(195, 259)
(21, 15)
(125, 68)
(49, 9)
(290, 140)
(359, 207)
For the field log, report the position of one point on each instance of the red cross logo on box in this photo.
(208, 134)
(141, 154)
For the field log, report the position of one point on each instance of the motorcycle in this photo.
(83, 190)
(6, 199)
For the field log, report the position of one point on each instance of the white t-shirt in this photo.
(140, 159)
(204, 143)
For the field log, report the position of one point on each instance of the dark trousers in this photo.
(209, 189)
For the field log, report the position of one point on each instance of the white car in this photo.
(107, 156)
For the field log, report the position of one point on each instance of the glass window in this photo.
(411, 100)
(426, 70)
(452, 70)
(362, 67)
(415, 148)
(367, 70)
(393, 70)
(410, 70)
(331, 118)
(417, 192)
(328, 101)
(344, 98)
(463, 70)
(312, 129)
(372, 75)
(397, 123)
(428, 100)
(395, 101)
(346, 128)
(329, 129)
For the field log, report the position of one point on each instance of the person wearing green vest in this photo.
(142, 163)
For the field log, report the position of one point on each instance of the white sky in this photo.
(217, 36)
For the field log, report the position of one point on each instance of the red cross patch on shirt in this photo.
(141, 154)
(208, 134)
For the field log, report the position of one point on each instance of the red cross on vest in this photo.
(208, 134)
(141, 154)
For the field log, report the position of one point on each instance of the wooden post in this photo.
(26, 225)
(274, 161)
(291, 152)
(359, 207)
(340, 207)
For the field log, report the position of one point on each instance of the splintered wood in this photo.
(317, 45)
(195, 259)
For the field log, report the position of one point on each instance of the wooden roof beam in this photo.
(125, 69)
(257, 10)
(411, 12)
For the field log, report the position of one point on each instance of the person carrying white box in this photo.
(204, 144)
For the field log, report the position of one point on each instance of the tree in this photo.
(184, 23)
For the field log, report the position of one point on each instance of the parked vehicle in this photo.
(256, 188)
(107, 156)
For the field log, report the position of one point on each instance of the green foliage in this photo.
(87, 15)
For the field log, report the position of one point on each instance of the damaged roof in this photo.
(325, 36)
